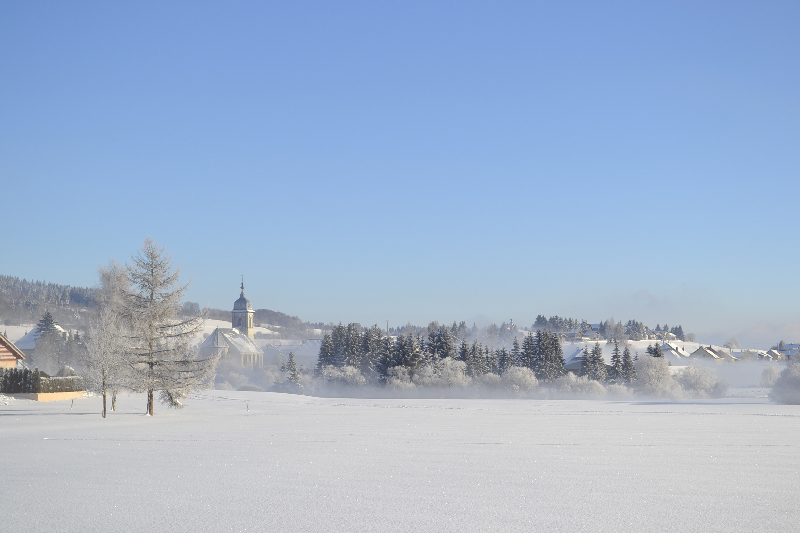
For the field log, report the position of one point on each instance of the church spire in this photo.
(243, 285)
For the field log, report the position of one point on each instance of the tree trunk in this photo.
(104, 403)
(150, 402)
(114, 400)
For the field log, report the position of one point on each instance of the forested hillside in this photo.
(23, 301)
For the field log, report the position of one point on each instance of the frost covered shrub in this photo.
(346, 375)
(618, 390)
(398, 377)
(769, 376)
(426, 377)
(787, 387)
(454, 373)
(490, 381)
(580, 385)
(223, 385)
(701, 382)
(519, 379)
(653, 377)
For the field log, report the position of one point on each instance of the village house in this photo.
(10, 355)
(28, 343)
(716, 354)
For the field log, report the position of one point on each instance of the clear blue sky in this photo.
(414, 161)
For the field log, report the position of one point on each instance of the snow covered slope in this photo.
(239, 461)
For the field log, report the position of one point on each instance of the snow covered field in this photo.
(297, 463)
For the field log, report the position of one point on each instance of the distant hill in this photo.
(23, 301)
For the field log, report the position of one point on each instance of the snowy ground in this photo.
(296, 463)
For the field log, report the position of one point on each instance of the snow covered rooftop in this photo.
(28, 342)
(231, 338)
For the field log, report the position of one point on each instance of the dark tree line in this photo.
(375, 353)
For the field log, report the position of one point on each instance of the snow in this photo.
(237, 461)
(15, 333)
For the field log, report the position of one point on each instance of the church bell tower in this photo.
(242, 315)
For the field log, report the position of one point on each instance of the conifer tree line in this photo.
(375, 354)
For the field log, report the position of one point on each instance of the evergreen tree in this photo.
(554, 358)
(476, 366)
(616, 362)
(326, 355)
(504, 360)
(491, 360)
(414, 355)
(654, 350)
(46, 327)
(540, 352)
(352, 346)
(371, 344)
(339, 339)
(384, 358)
(399, 353)
(598, 371)
(528, 356)
(292, 373)
(516, 354)
(446, 347)
(628, 372)
(587, 363)
(463, 352)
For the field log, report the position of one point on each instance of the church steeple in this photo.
(242, 314)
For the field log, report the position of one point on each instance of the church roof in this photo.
(242, 304)
(231, 338)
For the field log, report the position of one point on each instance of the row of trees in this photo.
(373, 353)
(622, 368)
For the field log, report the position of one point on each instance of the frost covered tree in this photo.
(159, 351)
(654, 377)
(291, 370)
(786, 388)
(104, 362)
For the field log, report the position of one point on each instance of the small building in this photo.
(773, 355)
(10, 355)
(674, 350)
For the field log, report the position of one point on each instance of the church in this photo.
(236, 343)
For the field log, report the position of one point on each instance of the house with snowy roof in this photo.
(237, 342)
(715, 354)
(28, 343)
(674, 350)
(10, 355)
(773, 355)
